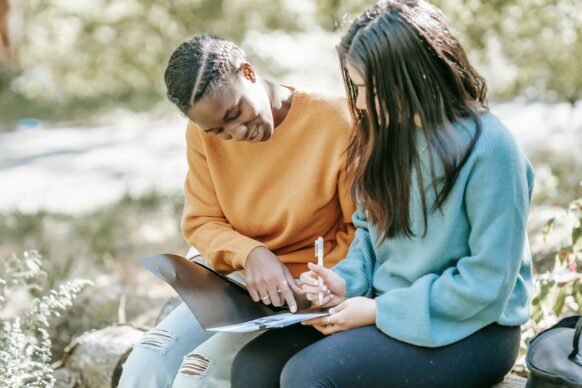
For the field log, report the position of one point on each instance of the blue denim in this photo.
(156, 358)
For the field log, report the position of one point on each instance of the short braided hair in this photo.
(198, 66)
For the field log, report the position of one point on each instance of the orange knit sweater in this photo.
(281, 194)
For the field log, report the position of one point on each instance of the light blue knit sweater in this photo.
(473, 266)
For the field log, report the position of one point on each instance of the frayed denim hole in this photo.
(156, 339)
(195, 365)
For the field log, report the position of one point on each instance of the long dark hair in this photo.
(412, 65)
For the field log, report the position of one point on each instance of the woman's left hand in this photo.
(351, 313)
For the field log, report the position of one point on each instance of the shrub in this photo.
(25, 345)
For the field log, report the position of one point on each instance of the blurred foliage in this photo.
(112, 49)
(103, 246)
(25, 342)
(558, 292)
(105, 238)
(557, 182)
(116, 50)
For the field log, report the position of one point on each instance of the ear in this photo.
(248, 72)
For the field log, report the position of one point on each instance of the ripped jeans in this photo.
(178, 353)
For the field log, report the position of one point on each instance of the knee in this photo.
(149, 364)
(198, 370)
(299, 372)
(293, 376)
(239, 368)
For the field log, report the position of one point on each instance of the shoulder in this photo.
(495, 137)
(495, 143)
(320, 102)
(497, 150)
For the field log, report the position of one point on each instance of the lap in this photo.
(365, 356)
(208, 365)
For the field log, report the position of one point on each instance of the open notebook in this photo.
(218, 302)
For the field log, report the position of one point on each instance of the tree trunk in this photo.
(5, 49)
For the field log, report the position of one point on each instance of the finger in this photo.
(321, 271)
(264, 296)
(308, 277)
(321, 329)
(314, 289)
(322, 321)
(291, 282)
(266, 299)
(288, 295)
(327, 330)
(274, 294)
(314, 296)
(324, 301)
(253, 293)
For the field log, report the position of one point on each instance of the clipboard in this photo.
(218, 302)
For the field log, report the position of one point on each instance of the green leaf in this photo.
(548, 227)
(560, 301)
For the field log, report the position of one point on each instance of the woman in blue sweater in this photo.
(437, 280)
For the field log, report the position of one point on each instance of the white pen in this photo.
(319, 254)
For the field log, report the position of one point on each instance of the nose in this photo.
(237, 132)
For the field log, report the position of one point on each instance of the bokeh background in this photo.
(92, 156)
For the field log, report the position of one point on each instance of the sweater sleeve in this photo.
(203, 223)
(439, 309)
(358, 267)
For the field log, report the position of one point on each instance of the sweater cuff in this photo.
(241, 249)
(354, 286)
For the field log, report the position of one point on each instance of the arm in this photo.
(357, 268)
(440, 309)
(203, 224)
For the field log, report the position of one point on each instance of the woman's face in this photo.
(239, 110)
(357, 77)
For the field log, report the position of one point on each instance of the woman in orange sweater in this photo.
(265, 179)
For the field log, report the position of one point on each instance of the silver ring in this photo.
(279, 290)
(265, 298)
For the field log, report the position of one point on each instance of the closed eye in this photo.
(233, 117)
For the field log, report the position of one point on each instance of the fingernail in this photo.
(316, 283)
(324, 288)
(293, 308)
(331, 311)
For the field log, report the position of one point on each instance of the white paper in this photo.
(270, 322)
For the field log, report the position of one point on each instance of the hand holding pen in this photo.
(332, 287)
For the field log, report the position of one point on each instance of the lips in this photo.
(254, 133)
(257, 134)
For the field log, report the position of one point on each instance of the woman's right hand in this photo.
(333, 288)
(269, 281)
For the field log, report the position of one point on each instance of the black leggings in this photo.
(299, 356)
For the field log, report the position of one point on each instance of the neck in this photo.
(280, 98)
